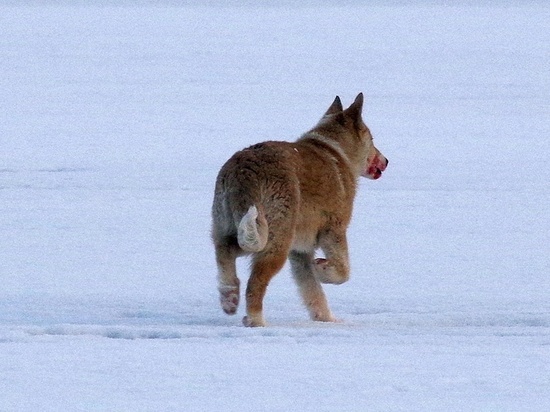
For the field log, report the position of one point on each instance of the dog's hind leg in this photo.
(335, 268)
(265, 265)
(309, 286)
(227, 252)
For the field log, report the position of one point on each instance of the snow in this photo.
(114, 121)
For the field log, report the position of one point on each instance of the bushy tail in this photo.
(252, 231)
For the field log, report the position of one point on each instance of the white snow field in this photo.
(114, 121)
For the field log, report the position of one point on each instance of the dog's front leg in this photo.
(335, 268)
(310, 289)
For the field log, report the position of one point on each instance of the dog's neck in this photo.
(336, 147)
(329, 142)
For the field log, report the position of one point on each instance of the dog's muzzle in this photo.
(376, 167)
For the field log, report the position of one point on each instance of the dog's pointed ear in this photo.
(357, 105)
(354, 111)
(335, 107)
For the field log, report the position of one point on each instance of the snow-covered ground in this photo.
(113, 124)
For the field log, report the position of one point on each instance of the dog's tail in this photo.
(252, 231)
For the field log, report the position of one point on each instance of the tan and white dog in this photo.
(279, 200)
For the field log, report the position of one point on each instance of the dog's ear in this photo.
(354, 111)
(335, 107)
(357, 106)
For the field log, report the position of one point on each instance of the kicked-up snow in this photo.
(114, 121)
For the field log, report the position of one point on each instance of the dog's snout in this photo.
(387, 162)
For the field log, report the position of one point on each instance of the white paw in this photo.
(322, 316)
(254, 321)
(327, 273)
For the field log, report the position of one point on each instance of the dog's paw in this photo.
(254, 321)
(229, 299)
(327, 273)
(322, 316)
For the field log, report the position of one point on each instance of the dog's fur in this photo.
(279, 199)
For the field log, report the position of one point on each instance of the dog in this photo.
(277, 200)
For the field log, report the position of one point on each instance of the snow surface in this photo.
(114, 120)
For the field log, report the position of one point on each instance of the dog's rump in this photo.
(256, 181)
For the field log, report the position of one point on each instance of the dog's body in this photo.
(279, 199)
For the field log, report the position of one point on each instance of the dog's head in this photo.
(347, 128)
